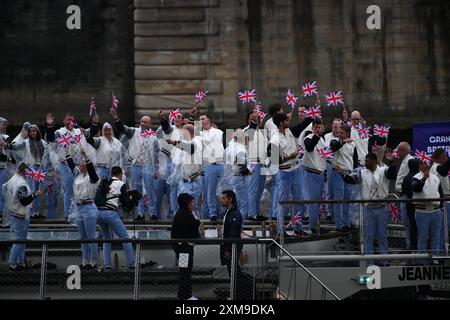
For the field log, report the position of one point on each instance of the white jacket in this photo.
(12, 200)
(402, 173)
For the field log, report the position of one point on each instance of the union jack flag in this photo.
(381, 131)
(200, 96)
(296, 222)
(262, 115)
(173, 115)
(76, 139)
(314, 112)
(334, 99)
(310, 89)
(41, 175)
(423, 157)
(258, 107)
(395, 212)
(248, 96)
(92, 107)
(72, 122)
(64, 140)
(364, 133)
(147, 133)
(115, 102)
(291, 99)
(30, 174)
(326, 153)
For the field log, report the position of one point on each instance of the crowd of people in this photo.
(188, 156)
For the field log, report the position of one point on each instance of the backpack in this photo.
(101, 196)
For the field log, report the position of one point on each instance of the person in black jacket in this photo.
(185, 226)
(407, 191)
(232, 227)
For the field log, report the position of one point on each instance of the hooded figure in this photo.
(109, 151)
(185, 226)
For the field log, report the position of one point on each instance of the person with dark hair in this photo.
(185, 226)
(283, 150)
(232, 227)
(407, 193)
(33, 149)
(440, 158)
(270, 126)
(109, 221)
(346, 157)
(257, 157)
(85, 186)
(315, 168)
(374, 181)
(19, 198)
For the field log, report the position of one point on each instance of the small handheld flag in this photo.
(381, 131)
(148, 133)
(248, 96)
(115, 102)
(334, 99)
(395, 212)
(291, 99)
(364, 133)
(326, 153)
(310, 89)
(92, 108)
(174, 114)
(314, 113)
(200, 96)
(422, 156)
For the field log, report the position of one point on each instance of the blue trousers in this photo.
(290, 189)
(274, 190)
(315, 185)
(53, 187)
(406, 223)
(213, 173)
(110, 222)
(303, 186)
(354, 208)
(329, 188)
(242, 194)
(87, 227)
(193, 188)
(429, 228)
(67, 180)
(375, 228)
(144, 175)
(103, 172)
(340, 191)
(255, 183)
(19, 227)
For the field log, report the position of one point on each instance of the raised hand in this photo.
(50, 119)
(95, 119)
(114, 114)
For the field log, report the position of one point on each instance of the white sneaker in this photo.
(193, 298)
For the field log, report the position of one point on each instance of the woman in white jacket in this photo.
(18, 201)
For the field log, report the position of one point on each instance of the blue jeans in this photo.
(315, 185)
(110, 222)
(67, 180)
(19, 227)
(242, 194)
(375, 228)
(213, 173)
(329, 188)
(275, 191)
(289, 189)
(2, 182)
(354, 208)
(340, 191)
(103, 172)
(406, 223)
(144, 175)
(193, 188)
(429, 228)
(303, 186)
(52, 188)
(255, 183)
(87, 227)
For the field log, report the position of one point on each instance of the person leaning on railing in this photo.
(19, 198)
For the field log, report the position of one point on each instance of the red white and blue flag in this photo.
(41, 175)
(174, 114)
(395, 154)
(423, 157)
(364, 132)
(76, 139)
(314, 113)
(326, 153)
(92, 107)
(30, 173)
(147, 133)
(201, 96)
(310, 89)
(333, 99)
(301, 151)
(291, 99)
(115, 102)
(381, 131)
(395, 212)
(64, 140)
(296, 222)
(248, 96)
